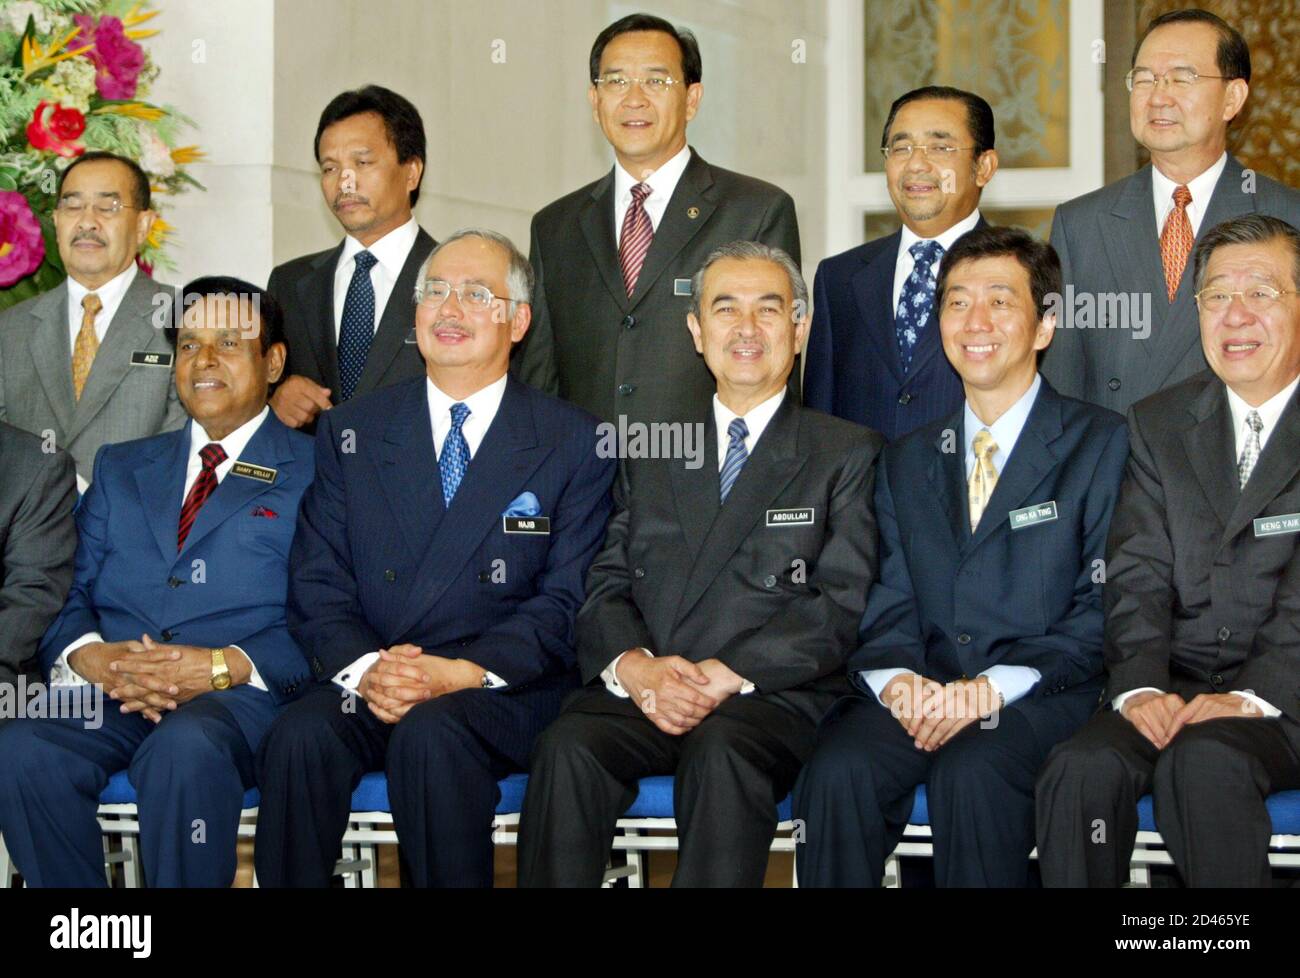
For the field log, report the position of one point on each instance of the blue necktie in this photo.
(916, 300)
(358, 327)
(455, 454)
(736, 456)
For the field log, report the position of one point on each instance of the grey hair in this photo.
(519, 276)
(753, 251)
(1248, 229)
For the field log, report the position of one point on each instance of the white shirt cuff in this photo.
(1269, 710)
(494, 681)
(877, 679)
(349, 677)
(62, 674)
(609, 675)
(255, 680)
(1117, 704)
(82, 485)
(1012, 682)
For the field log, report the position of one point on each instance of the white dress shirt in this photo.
(905, 263)
(1201, 188)
(62, 674)
(662, 184)
(756, 421)
(483, 405)
(1269, 413)
(391, 252)
(111, 294)
(1011, 682)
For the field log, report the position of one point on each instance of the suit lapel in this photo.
(696, 492)
(1276, 467)
(409, 472)
(676, 227)
(52, 353)
(1130, 228)
(873, 287)
(316, 298)
(947, 477)
(597, 221)
(398, 320)
(164, 474)
(131, 329)
(1209, 446)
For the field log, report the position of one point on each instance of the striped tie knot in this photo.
(737, 455)
(738, 431)
(640, 192)
(212, 455)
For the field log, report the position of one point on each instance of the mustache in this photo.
(88, 236)
(341, 199)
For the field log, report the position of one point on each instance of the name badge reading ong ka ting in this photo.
(1022, 519)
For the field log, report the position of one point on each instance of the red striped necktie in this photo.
(213, 455)
(637, 234)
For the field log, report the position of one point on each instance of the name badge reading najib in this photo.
(1033, 515)
(1276, 526)
(143, 358)
(250, 471)
(535, 525)
(799, 516)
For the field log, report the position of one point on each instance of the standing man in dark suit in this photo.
(85, 364)
(981, 643)
(1203, 597)
(720, 609)
(38, 537)
(347, 310)
(614, 260)
(1127, 245)
(438, 568)
(177, 612)
(874, 352)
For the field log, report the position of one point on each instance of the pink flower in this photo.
(22, 249)
(55, 128)
(117, 59)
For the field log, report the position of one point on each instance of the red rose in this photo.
(55, 128)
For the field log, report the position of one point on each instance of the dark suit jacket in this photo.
(951, 603)
(379, 561)
(681, 574)
(304, 287)
(852, 369)
(613, 355)
(1108, 243)
(226, 587)
(38, 492)
(1196, 601)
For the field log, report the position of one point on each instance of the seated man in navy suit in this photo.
(177, 611)
(438, 567)
(981, 642)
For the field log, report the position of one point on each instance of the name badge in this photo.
(1033, 515)
(681, 286)
(143, 358)
(798, 516)
(533, 525)
(1276, 526)
(250, 471)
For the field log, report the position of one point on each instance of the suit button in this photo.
(290, 689)
(963, 639)
(638, 573)
(1225, 633)
(1216, 680)
(1113, 383)
(905, 399)
(769, 581)
(316, 667)
(629, 322)
(173, 582)
(166, 635)
(626, 389)
(484, 577)
(390, 576)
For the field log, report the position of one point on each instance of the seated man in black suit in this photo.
(721, 608)
(1203, 597)
(981, 642)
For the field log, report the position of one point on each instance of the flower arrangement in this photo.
(73, 78)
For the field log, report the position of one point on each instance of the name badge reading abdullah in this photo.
(1033, 515)
(143, 358)
(1276, 526)
(257, 472)
(534, 525)
(801, 516)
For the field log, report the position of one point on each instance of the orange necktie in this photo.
(1176, 240)
(87, 345)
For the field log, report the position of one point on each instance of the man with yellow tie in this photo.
(86, 364)
(981, 641)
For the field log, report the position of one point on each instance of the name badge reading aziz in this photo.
(1276, 526)
(256, 472)
(798, 516)
(535, 525)
(143, 358)
(1033, 515)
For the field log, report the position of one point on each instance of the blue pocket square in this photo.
(525, 504)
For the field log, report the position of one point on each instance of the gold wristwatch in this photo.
(220, 671)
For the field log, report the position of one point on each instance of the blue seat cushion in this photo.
(1283, 808)
(372, 793)
(119, 791)
(655, 800)
(920, 808)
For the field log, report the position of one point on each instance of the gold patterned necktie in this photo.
(983, 477)
(1176, 241)
(87, 345)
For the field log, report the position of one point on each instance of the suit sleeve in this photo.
(1272, 668)
(275, 655)
(1062, 362)
(819, 373)
(534, 361)
(812, 634)
(610, 621)
(1139, 595)
(538, 639)
(38, 555)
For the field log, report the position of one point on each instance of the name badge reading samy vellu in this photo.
(144, 358)
(797, 516)
(250, 471)
(1276, 526)
(1033, 515)
(536, 525)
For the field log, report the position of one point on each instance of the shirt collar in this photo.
(1269, 412)
(110, 293)
(1006, 429)
(390, 250)
(756, 420)
(234, 443)
(1200, 187)
(663, 181)
(947, 239)
(482, 404)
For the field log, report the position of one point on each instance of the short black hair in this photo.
(979, 114)
(1038, 258)
(143, 198)
(402, 122)
(269, 311)
(1233, 55)
(692, 66)
(1248, 229)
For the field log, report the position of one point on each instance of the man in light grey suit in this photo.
(1126, 246)
(87, 364)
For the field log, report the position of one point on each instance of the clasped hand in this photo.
(404, 677)
(674, 693)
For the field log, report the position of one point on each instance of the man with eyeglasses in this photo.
(1202, 597)
(86, 364)
(614, 259)
(874, 351)
(438, 567)
(1126, 246)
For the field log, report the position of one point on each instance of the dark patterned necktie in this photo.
(1250, 451)
(358, 326)
(637, 234)
(916, 299)
(212, 456)
(455, 454)
(737, 455)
